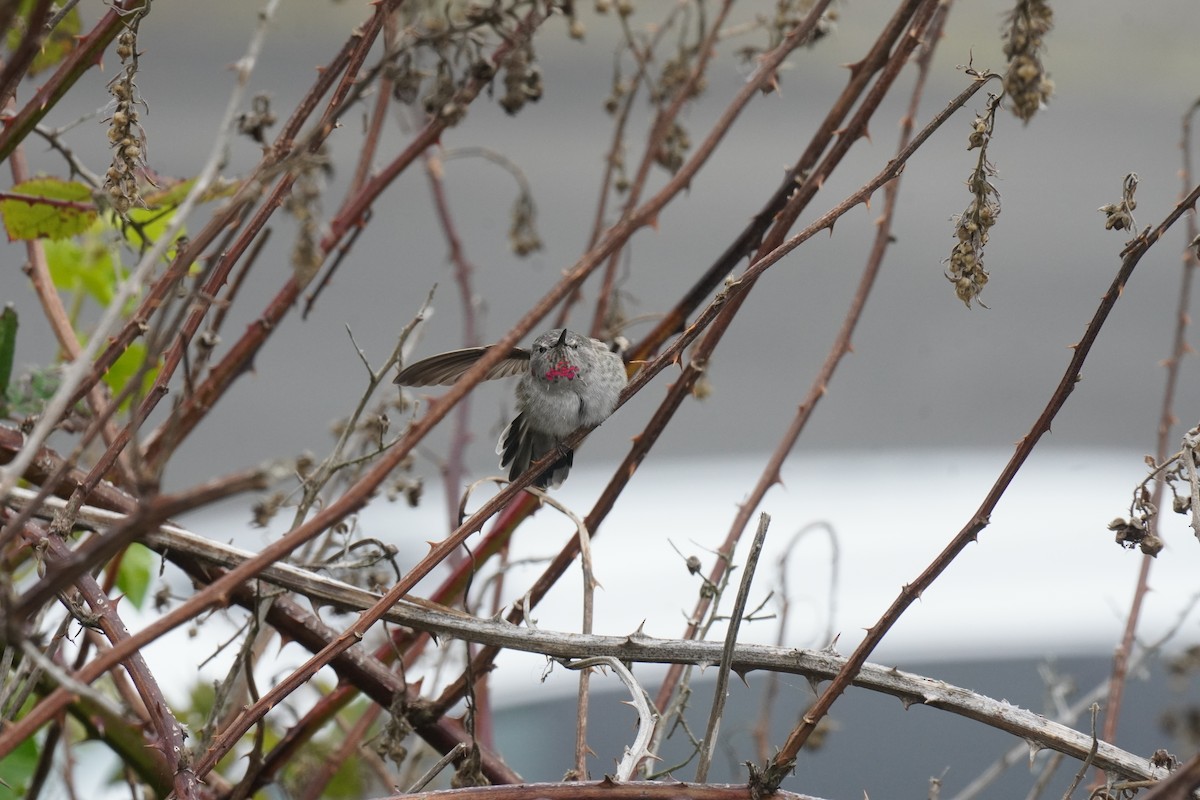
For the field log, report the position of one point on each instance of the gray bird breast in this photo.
(573, 380)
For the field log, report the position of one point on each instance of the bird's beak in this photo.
(562, 339)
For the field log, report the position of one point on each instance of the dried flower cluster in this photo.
(676, 75)
(125, 133)
(258, 120)
(787, 16)
(1026, 83)
(965, 268)
(1119, 216)
(1136, 531)
(445, 44)
(522, 233)
(522, 80)
(675, 145)
(304, 204)
(1180, 470)
(790, 13)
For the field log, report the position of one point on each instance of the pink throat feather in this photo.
(563, 369)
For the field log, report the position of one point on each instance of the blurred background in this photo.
(927, 372)
(916, 423)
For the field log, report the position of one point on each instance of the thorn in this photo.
(637, 635)
(1034, 748)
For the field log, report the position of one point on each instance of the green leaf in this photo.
(138, 567)
(47, 208)
(59, 43)
(83, 265)
(150, 225)
(8, 346)
(125, 370)
(16, 769)
(150, 221)
(56, 46)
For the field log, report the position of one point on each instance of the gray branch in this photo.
(909, 688)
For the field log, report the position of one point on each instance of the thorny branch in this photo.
(782, 763)
(182, 545)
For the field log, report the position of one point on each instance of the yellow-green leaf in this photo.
(83, 265)
(18, 768)
(47, 208)
(125, 368)
(55, 47)
(138, 566)
(150, 225)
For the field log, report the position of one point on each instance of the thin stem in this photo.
(735, 621)
(1166, 423)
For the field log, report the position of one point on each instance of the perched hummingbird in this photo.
(567, 381)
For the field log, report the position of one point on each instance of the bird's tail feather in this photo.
(520, 446)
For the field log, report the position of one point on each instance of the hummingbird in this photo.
(568, 381)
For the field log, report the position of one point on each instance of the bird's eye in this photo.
(541, 348)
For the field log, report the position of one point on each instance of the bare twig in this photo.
(436, 769)
(1166, 423)
(647, 715)
(1087, 762)
(602, 790)
(452, 470)
(735, 620)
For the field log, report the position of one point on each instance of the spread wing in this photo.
(446, 368)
